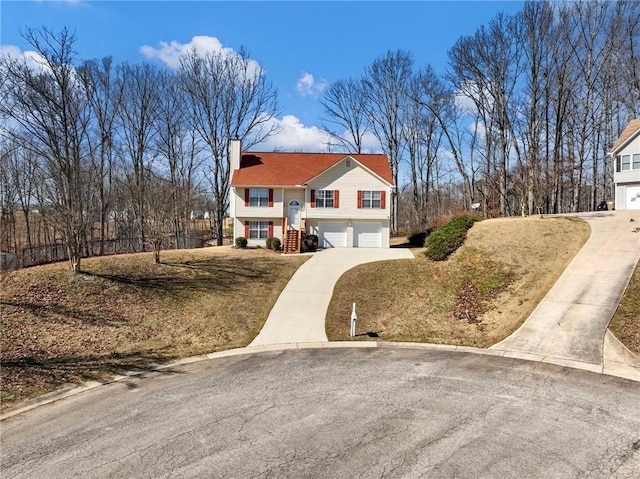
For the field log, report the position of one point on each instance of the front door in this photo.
(294, 214)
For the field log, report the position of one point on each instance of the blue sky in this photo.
(302, 45)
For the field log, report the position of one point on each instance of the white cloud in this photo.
(170, 52)
(295, 136)
(308, 86)
(34, 60)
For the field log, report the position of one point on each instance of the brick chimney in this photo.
(236, 149)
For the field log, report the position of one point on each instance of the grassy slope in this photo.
(625, 324)
(506, 266)
(125, 312)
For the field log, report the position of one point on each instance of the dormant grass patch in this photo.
(625, 324)
(123, 312)
(481, 294)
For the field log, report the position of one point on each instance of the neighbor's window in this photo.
(371, 199)
(258, 197)
(626, 162)
(258, 229)
(636, 161)
(325, 199)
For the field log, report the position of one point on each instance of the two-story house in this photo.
(626, 175)
(344, 199)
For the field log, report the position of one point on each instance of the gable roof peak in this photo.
(292, 169)
(632, 128)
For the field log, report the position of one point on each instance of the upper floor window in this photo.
(258, 197)
(325, 198)
(636, 161)
(626, 162)
(371, 199)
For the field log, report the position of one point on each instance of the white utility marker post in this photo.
(354, 318)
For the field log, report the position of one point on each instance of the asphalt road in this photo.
(332, 413)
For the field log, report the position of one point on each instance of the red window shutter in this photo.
(246, 196)
(246, 229)
(313, 198)
(336, 199)
(270, 231)
(383, 198)
(270, 197)
(359, 199)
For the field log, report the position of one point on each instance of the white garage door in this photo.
(633, 197)
(367, 235)
(333, 235)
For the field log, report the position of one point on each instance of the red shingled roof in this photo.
(290, 169)
(631, 128)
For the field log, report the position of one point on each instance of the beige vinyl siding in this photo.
(238, 229)
(627, 182)
(348, 181)
(275, 211)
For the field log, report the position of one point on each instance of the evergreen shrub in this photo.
(449, 237)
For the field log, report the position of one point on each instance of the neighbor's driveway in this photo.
(298, 315)
(571, 321)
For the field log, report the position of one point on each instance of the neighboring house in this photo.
(626, 175)
(344, 199)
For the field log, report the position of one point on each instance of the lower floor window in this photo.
(258, 229)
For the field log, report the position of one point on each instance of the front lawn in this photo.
(124, 312)
(480, 295)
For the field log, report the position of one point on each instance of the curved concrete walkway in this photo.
(571, 321)
(298, 315)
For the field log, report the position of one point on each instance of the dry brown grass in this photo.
(625, 324)
(125, 312)
(494, 281)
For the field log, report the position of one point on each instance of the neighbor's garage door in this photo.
(633, 198)
(333, 235)
(367, 235)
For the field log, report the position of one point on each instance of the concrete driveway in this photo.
(298, 315)
(570, 323)
(337, 413)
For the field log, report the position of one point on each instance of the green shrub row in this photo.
(449, 237)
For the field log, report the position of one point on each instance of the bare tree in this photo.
(534, 34)
(386, 89)
(104, 95)
(229, 98)
(423, 134)
(486, 68)
(344, 105)
(138, 112)
(51, 108)
(178, 148)
(21, 166)
(159, 217)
